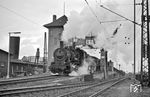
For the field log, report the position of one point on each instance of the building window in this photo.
(12, 69)
(17, 68)
(2, 64)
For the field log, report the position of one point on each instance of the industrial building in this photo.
(17, 66)
(3, 62)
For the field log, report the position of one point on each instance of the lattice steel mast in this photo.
(145, 45)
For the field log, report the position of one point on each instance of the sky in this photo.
(29, 16)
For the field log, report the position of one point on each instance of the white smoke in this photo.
(84, 69)
(84, 23)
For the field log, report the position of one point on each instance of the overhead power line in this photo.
(120, 15)
(112, 21)
(93, 11)
(25, 18)
(122, 4)
(97, 16)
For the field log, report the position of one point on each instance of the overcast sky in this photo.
(28, 17)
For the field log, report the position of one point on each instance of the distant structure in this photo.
(79, 41)
(90, 40)
(14, 46)
(37, 56)
(45, 53)
(3, 63)
(17, 67)
(31, 59)
(110, 66)
(104, 63)
(55, 32)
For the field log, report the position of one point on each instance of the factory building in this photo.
(3, 62)
(78, 41)
(55, 29)
(16, 66)
(90, 40)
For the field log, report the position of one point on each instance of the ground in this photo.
(124, 90)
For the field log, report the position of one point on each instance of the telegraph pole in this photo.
(134, 36)
(45, 53)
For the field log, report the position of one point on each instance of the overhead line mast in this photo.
(134, 70)
(145, 45)
(120, 15)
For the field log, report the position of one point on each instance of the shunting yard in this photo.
(89, 91)
(43, 89)
(74, 87)
(52, 86)
(90, 58)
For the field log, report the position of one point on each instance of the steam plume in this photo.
(83, 23)
(84, 69)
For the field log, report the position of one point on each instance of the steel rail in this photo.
(86, 88)
(23, 80)
(106, 88)
(54, 86)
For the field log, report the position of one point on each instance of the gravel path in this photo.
(123, 90)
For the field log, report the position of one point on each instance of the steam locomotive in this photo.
(66, 59)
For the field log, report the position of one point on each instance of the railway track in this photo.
(93, 90)
(42, 80)
(63, 90)
(26, 79)
(49, 87)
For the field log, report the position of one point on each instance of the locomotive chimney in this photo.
(54, 18)
(61, 44)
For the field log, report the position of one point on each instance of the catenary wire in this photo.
(93, 12)
(12, 11)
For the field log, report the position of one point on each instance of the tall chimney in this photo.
(54, 18)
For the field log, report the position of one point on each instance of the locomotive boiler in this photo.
(66, 59)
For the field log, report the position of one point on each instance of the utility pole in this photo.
(134, 36)
(104, 62)
(45, 53)
(145, 49)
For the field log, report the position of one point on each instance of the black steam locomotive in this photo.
(65, 58)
